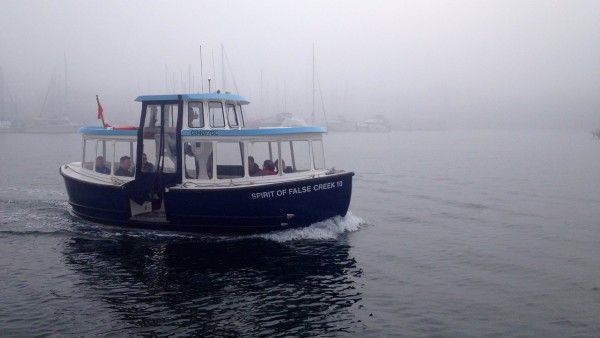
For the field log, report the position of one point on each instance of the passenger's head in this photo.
(251, 160)
(125, 162)
(99, 161)
(144, 158)
(268, 165)
(277, 164)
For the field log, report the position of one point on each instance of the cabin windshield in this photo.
(242, 118)
(232, 119)
(215, 114)
(195, 115)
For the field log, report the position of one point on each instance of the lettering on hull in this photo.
(296, 190)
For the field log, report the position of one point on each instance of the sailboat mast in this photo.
(201, 75)
(223, 69)
(313, 85)
(67, 109)
(2, 110)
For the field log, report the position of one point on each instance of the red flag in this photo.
(100, 110)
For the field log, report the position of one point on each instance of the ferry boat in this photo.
(189, 166)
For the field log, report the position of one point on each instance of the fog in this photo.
(422, 64)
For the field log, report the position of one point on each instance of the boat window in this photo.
(215, 114)
(122, 150)
(198, 163)
(89, 153)
(171, 111)
(151, 153)
(153, 117)
(231, 116)
(242, 119)
(103, 156)
(299, 153)
(230, 160)
(195, 115)
(157, 116)
(262, 151)
(104, 149)
(170, 142)
(318, 154)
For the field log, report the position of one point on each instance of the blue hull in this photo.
(240, 210)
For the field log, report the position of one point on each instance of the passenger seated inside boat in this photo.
(285, 169)
(253, 168)
(268, 168)
(101, 166)
(146, 166)
(124, 167)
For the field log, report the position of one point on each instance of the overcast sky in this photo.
(430, 64)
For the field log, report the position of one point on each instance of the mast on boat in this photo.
(66, 102)
(313, 85)
(201, 75)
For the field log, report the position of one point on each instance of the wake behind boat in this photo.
(189, 166)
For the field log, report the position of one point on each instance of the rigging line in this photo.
(230, 71)
(320, 93)
(50, 88)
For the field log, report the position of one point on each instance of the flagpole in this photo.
(100, 112)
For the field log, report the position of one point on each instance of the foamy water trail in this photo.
(328, 229)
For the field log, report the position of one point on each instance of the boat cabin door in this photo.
(158, 157)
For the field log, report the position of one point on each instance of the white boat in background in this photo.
(9, 112)
(376, 124)
(341, 124)
(279, 120)
(51, 125)
(8, 126)
(56, 109)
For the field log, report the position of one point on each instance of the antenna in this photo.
(223, 69)
(201, 75)
(190, 90)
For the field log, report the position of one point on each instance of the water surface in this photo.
(451, 233)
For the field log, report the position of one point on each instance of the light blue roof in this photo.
(97, 130)
(188, 97)
(253, 132)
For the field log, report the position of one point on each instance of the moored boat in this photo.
(341, 124)
(376, 124)
(189, 166)
(51, 125)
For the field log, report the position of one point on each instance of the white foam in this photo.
(328, 229)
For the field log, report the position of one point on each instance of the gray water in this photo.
(450, 233)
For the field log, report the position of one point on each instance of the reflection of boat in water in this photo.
(341, 124)
(279, 120)
(200, 286)
(375, 124)
(201, 181)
